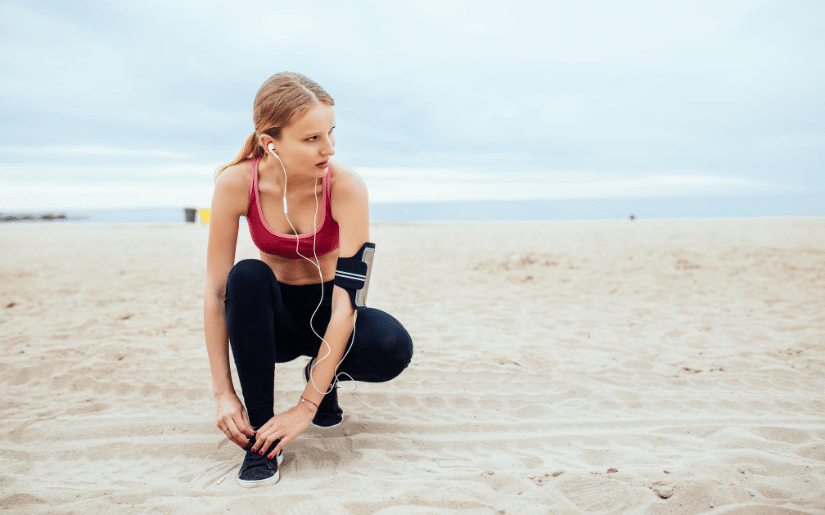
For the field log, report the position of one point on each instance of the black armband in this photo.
(353, 274)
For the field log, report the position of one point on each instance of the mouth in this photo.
(323, 164)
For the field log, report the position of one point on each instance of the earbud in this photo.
(271, 148)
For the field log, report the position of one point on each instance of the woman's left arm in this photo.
(350, 208)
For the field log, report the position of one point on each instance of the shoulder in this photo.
(350, 209)
(236, 176)
(233, 185)
(346, 186)
(346, 181)
(348, 196)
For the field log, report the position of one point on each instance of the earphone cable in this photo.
(317, 265)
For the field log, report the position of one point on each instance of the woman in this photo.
(309, 216)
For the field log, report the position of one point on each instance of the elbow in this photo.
(210, 295)
(214, 290)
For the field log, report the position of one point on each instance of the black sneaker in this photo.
(258, 470)
(329, 414)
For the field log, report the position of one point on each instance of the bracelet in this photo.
(309, 401)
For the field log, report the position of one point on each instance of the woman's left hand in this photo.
(286, 426)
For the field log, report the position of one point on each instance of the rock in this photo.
(663, 491)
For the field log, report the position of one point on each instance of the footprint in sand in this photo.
(595, 494)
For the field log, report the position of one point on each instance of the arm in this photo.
(337, 335)
(350, 208)
(227, 207)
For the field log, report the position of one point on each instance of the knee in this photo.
(402, 354)
(392, 340)
(247, 277)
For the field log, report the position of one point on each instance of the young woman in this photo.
(308, 214)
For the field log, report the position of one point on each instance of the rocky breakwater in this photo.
(32, 218)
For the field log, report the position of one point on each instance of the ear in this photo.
(264, 141)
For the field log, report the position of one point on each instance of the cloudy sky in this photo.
(134, 104)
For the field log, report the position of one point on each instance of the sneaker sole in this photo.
(313, 423)
(329, 427)
(268, 481)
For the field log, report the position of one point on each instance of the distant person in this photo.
(309, 216)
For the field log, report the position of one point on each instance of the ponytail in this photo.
(250, 150)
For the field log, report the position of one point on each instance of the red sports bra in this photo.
(280, 244)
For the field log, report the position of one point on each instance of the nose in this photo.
(329, 147)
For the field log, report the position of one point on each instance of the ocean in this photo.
(798, 205)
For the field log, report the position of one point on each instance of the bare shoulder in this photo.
(346, 180)
(236, 177)
(232, 187)
(347, 187)
(348, 194)
(350, 208)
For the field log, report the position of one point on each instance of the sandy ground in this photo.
(649, 367)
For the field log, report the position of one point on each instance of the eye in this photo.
(313, 138)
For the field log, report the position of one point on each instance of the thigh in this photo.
(306, 304)
(258, 321)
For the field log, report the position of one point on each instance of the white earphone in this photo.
(271, 148)
(317, 265)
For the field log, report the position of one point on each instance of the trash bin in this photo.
(203, 214)
(189, 214)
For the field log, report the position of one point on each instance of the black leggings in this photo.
(268, 322)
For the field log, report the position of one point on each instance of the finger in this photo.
(263, 431)
(272, 442)
(238, 422)
(281, 443)
(260, 437)
(227, 431)
(264, 440)
(235, 435)
(246, 428)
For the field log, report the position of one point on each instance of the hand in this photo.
(232, 415)
(286, 427)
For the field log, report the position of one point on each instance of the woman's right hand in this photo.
(232, 416)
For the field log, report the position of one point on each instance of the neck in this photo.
(271, 168)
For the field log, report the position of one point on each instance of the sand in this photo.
(651, 367)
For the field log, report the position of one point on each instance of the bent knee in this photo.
(391, 341)
(401, 354)
(248, 274)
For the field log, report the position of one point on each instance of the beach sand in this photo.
(652, 367)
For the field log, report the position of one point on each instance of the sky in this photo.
(135, 104)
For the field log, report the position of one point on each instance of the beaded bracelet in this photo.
(309, 401)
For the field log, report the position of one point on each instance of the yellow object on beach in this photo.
(204, 215)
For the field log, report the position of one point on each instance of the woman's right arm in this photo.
(229, 203)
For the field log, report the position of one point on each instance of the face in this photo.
(307, 143)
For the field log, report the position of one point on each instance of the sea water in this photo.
(798, 205)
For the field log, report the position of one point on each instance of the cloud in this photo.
(90, 151)
(640, 88)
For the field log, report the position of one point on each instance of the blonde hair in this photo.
(283, 98)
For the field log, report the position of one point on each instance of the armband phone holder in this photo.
(353, 274)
